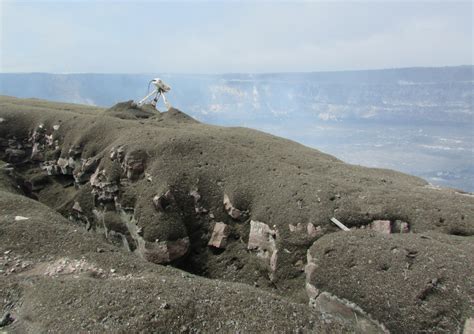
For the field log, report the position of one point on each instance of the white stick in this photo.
(339, 224)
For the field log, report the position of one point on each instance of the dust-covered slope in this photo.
(59, 278)
(232, 204)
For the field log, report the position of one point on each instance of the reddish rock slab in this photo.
(261, 237)
(381, 226)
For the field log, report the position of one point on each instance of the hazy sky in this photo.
(229, 36)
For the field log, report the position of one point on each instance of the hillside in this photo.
(126, 219)
(422, 116)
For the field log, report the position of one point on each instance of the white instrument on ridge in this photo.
(160, 89)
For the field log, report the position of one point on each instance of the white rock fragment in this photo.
(310, 271)
(329, 304)
(261, 237)
(296, 228)
(77, 207)
(400, 227)
(313, 231)
(263, 240)
(20, 218)
(273, 260)
(66, 266)
(230, 209)
(66, 165)
(219, 235)
(312, 291)
(198, 208)
(310, 229)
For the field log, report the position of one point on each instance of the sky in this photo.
(229, 36)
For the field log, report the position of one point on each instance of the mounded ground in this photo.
(113, 194)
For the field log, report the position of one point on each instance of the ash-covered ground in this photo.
(127, 219)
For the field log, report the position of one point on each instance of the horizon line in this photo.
(243, 73)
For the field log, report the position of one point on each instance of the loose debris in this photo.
(65, 266)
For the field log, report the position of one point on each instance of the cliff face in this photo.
(442, 94)
(422, 116)
(231, 204)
